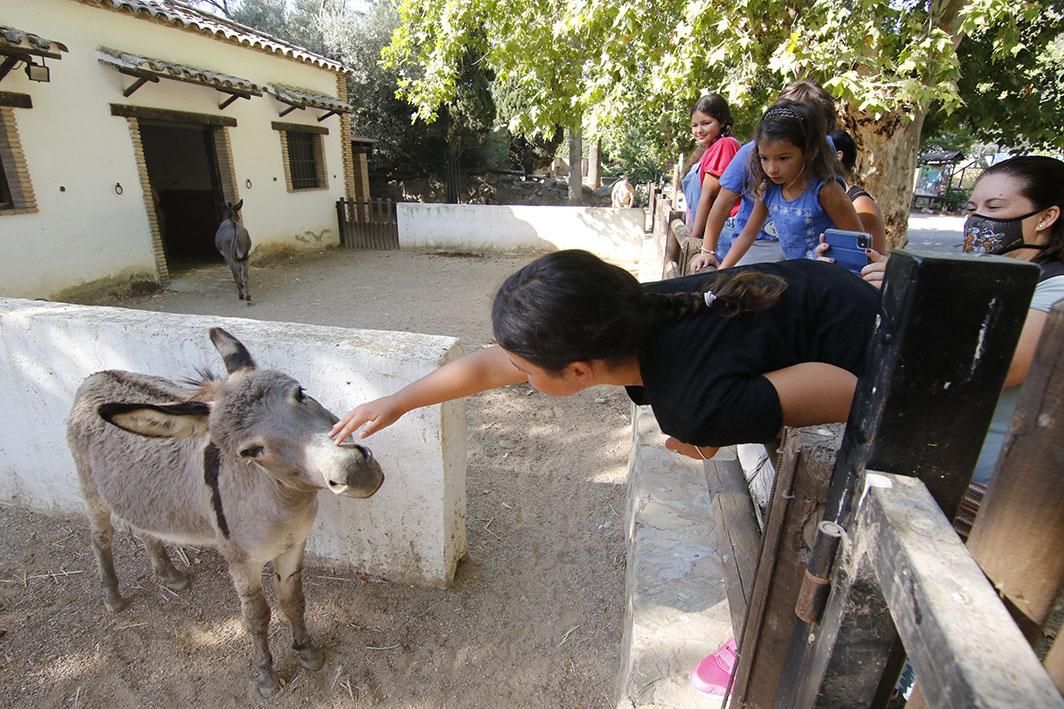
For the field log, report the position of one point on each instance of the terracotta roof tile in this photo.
(181, 15)
(177, 71)
(11, 38)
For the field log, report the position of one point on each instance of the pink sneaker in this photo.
(714, 672)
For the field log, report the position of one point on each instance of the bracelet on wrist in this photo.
(706, 251)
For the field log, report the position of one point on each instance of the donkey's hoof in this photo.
(177, 581)
(114, 601)
(268, 685)
(310, 657)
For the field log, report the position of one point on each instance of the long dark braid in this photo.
(572, 306)
(734, 294)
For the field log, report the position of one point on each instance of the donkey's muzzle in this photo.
(361, 475)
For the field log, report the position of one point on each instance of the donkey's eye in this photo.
(251, 452)
(300, 395)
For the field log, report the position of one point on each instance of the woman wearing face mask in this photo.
(1014, 211)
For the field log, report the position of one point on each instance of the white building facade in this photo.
(127, 125)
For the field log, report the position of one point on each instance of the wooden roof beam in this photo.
(233, 96)
(8, 65)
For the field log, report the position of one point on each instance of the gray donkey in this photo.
(236, 464)
(234, 244)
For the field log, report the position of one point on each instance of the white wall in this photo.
(76, 151)
(614, 234)
(412, 530)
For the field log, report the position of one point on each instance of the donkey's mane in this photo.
(203, 384)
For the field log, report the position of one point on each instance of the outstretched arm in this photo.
(747, 236)
(713, 221)
(489, 368)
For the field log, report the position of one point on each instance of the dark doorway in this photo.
(183, 171)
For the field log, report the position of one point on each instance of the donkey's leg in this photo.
(247, 578)
(101, 532)
(243, 267)
(102, 535)
(234, 268)
(162, 566)
(288, 579)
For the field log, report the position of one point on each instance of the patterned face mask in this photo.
(985, 235)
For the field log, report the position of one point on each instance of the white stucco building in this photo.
(126, 125)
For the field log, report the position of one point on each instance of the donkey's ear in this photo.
(234, 354)
(185, 420)
(238, 206)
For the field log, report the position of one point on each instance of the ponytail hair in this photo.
(571, 306)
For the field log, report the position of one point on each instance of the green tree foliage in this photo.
(1012, 85)
(616, 63)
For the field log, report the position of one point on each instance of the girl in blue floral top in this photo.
(798, 183)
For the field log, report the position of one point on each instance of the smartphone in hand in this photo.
(848, 248)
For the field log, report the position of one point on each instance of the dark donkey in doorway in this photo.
(234, 244)
(236, 464)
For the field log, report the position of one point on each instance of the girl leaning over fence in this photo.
(722, 358)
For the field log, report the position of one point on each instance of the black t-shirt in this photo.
(702, 374)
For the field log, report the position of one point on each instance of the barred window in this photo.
(16, 190)
(5, 191)
(304, 156)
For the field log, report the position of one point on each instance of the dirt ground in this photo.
(534, 618)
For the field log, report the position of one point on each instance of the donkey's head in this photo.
(232, 211)
(261, 419)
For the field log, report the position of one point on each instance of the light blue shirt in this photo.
(1046, 293)
(692, 192)
(734, 178)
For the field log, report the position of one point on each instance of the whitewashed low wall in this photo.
(616, 234)
(412, 530)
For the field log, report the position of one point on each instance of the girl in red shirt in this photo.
(711, 124)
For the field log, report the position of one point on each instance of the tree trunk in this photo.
(576, 178)
(886, 162)
(594, 165)
(453, 175)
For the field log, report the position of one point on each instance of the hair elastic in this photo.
(709, 296)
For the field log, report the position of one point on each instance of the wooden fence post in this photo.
(341, 222)
(661, 224)
(948, 326)
(738, 536)
(652, 205)
(1017, 534)
(798, 494)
